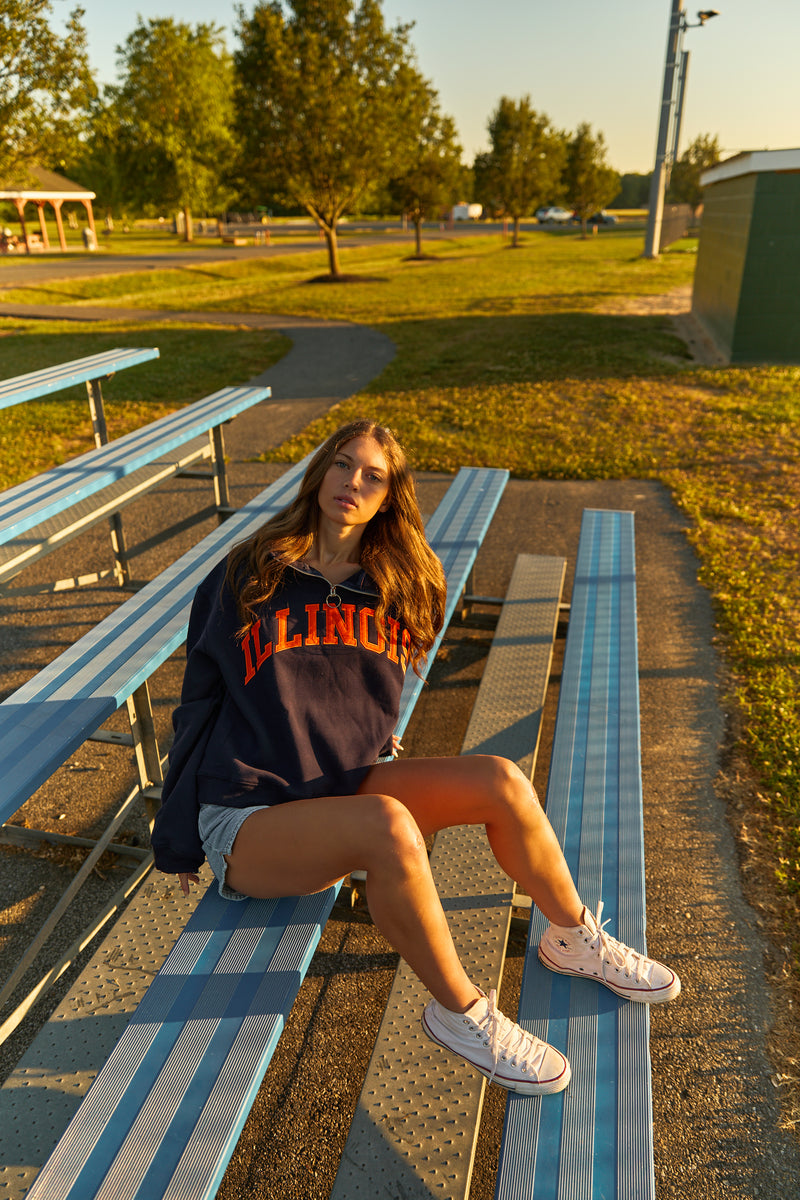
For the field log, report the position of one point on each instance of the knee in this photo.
(509, 788)
(393, 833)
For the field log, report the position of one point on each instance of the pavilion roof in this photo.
(45, 185)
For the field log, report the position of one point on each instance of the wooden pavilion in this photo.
(47, 187)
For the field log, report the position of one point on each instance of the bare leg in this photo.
(304, 846)
(485, 790)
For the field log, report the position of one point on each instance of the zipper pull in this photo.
(333, 599)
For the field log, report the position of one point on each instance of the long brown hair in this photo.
(394, 551)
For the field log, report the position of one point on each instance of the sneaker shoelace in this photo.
(620, 956)
(508, 1042)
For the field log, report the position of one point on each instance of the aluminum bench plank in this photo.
(594, 1139)
(49, 535)
(50, 716)
(45, 1088)
(415, 1128)
(36, 385)
(456, 531)
(45, 496)
(196, 1050)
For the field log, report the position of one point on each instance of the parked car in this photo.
(553, 213)
(598, 218)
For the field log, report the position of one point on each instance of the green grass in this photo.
(540, 276)
(194, 361)
(135, 242)
(534, 359)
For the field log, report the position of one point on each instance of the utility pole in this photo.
(658, 182)
(683, 71)
(677, 60)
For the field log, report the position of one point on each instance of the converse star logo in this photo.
(564, 945)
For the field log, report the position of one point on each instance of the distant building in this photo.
(47, 187)
(745, 289)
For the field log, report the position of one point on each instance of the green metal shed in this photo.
(747, 283)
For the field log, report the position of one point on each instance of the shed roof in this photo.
(751, 163)
(45, 185)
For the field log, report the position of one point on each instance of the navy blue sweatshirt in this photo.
(302, 706)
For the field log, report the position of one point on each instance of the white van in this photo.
(467, 212)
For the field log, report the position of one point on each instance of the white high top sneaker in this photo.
(588, 950)
(499, 1048)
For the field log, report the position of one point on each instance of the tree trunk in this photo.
(188, 232)
(515, 241)
(333, 249)
(418, 235)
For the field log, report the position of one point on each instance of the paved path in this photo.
(21, 270)
(17, 270)
(328, 361)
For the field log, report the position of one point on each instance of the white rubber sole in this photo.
(544, 1087)
(645, 996)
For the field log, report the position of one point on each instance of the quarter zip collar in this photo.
(359, 582)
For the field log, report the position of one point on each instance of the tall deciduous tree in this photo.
(684, 184)
(589, 182)
(434, 173)
(323, 96)
(522, 169)
(45, 87)
(111, 164)
(483, 184)
(173, 114)
(634, 191)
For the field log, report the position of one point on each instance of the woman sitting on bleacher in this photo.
(297, 649)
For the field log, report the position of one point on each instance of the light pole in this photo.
(675, 67)
(677, 119)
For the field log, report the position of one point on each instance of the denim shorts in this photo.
(218, 826)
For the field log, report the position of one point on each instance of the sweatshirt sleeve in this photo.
(175, 839)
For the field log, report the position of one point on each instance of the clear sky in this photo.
(600, 61)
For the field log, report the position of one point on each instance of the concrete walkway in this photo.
(328, 361)
(716, 1109)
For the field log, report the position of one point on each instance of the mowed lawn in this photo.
(539, 360)
(194, 361)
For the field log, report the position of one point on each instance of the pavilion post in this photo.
(87, 204)
(59, 223)
(43, 224)
(20, 207)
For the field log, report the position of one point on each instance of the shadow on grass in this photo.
(557, 395)
(344, 279)
(192, 360)
(461, 352)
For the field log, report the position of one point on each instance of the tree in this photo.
(684, 184)
(171, 116)
(324, 96)
(522, 169)
(111, 164)
(483, 186)
(634, 191)
(433, 173)
(45, 87)
(590, 183)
